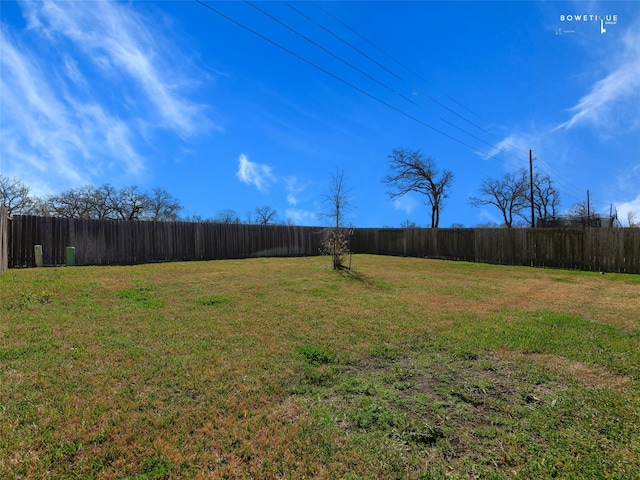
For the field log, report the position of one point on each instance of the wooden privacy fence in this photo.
(4, 238)
(105, 242)
(592, 249)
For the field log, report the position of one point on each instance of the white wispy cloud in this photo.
(512, 149)
(254, 173)
(78, 83)
(300, 216)
(612, 102)
(624, 190)
(63, 137)
(485, 216)
(294, 189)
(73, 72)
(114, 37)
(406, 204)
(610, 107)
(37, 130)
(629, 210)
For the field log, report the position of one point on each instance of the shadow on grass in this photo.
(355, 275)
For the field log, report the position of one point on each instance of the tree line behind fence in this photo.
(104, 242)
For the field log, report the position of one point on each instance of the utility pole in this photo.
(533, 220)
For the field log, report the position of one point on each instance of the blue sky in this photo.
(235, 110)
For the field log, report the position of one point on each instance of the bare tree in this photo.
(131, 203)
(199, 219)
(40, 208)
(226, 216)
(580, 209)
(512, 196)
(337, 202)
(508, 194)
(162, 206)
(632, 218)
(104, 202)
(408, 224)
(413, 172)
(74, 203)
(265, 215)
(15, 196)
(582, 214)
(546, 198)
(85, 202)
(107, 202)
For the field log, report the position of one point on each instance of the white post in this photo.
(38, 253)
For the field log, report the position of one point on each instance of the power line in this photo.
(431, 98)
(479, 139)
(451, 110)
(409, 69)
(335, 35)
(327, 51)
(571, 190)
(341, 80)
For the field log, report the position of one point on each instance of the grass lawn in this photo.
(282, 368)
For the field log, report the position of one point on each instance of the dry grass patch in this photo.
(590, 375)
(482, 289)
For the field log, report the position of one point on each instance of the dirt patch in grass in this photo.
(443, 411)
(590, 375)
